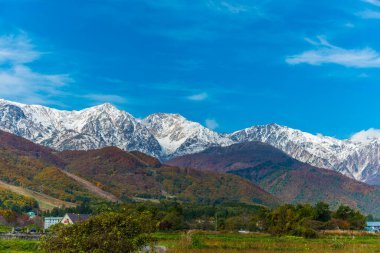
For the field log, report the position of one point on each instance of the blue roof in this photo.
(373, 223)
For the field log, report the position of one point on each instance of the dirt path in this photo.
(45, 202)
(92, 188)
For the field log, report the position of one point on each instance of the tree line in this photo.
(128, 227)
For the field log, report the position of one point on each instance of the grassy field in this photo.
(22, 246)
(45, 202)
(208, 242)
(260, 243)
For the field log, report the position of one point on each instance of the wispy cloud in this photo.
(198, 97)
(228, 7)
(234, 8)
(369, 14)
(204, 20)
(19, 81)
(17, 49)
(373, 2)
(327, 53)
(349, 25)
(220, 6)
(211, 124)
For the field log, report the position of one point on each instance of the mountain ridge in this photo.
(113, 174)
(286, 178)
(166, 136)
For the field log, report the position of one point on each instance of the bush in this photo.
(107, 232)
(305, 232)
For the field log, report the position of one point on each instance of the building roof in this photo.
(373, 223)
(53, 218)
(75, 217)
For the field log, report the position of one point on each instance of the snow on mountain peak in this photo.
(366, 136)
(167, 135)
(178, 136)
(90, 128)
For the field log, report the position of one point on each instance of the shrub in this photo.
(107, 232)
(305, 232)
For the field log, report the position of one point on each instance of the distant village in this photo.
(69, 218)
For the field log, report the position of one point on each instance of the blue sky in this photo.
(229, 64)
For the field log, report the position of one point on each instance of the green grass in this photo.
(4, 229)
(201, 242)
(209, 242)
(23, 246)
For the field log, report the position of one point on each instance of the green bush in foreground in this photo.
(107, 232)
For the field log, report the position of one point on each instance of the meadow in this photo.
(202, 242)
(212, 242)
(20, 246)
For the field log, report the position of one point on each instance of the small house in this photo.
(50, 221)
(73, 218)
(373, 226)
(31, 215)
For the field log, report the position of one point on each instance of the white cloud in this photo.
(369, 14)
(221, 6)
(198, 97)
(366, 136)
(234, 8)
(349, 25)
(373, 2)
(211, 124)
(20, 82)
(326, 53)
(17, 49)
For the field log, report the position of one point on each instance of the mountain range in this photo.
(68, 178)
(167, 136)
(286, 178)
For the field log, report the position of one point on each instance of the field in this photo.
(20, 246)
(45, 202)
(199, 242)
(202, 242)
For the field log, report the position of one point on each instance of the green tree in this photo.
(354, 218)
(282, 220)
(322, 212)
(357, 220)
(173, 220)
(107, 232)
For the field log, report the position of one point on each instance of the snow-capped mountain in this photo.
(90, 128)
(317, 150)
(170, 135)
(179, 136)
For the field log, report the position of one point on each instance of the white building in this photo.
(50, 221)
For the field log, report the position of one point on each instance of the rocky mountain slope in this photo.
(36, 168)
(95, 127)
(166, 136)
(179, 136)
(285, 177)
(136, 175)
(113, 174)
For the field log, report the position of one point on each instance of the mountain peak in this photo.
(164, 116)
(167, 135)
(106, 106)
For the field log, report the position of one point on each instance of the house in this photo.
(373, 226)
(50, 221)
(31, 215)
(72, 218)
